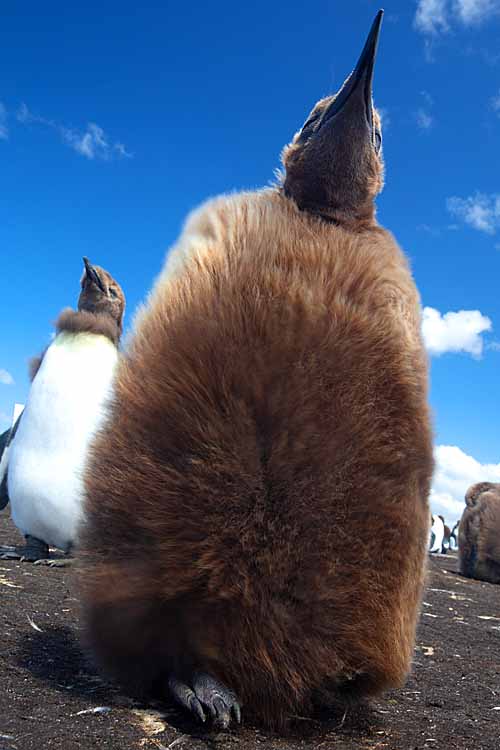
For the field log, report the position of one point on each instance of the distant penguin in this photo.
(276, 393)
(66, 406)
(479, 533)
(436, 534)
(446, 536)
(454, 537)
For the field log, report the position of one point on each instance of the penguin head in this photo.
(473, 493)
(100, 293)
(333, 166)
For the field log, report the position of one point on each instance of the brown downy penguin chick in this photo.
(71, 384)
(479, 533)
(270, 418)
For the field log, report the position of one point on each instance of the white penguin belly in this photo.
(65, 408)
(436, 535)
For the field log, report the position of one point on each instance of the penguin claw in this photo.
(219, 700)
(207, 695)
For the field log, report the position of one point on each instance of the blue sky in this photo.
(116, 121)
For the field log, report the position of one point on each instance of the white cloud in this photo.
(93, 143)
(455, 472)
(4, 131)
(431, 16)
(424, 119)
(480, 211)
(423, 115)
(6, 378)
(454, 331)
(472, 12)
(434, 17)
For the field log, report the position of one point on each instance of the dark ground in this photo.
(50, 697)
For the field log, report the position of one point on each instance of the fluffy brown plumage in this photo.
(479, 533)
(257, 504)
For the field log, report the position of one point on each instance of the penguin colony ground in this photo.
(256, 505)
(479, 533)
(66, 405)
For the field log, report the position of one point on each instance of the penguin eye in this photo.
(377, 140)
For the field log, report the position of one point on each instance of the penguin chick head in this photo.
(473, 493)
(101, 294)
(333, 166)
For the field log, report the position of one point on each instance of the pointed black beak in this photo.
(92, 274)
(359, 83)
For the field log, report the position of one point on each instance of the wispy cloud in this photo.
(432, 16)
(472, 12)
(459, 331)
(424, 119)
(455, 472)
(6, 378)
(495, 103)
(423, 115)
(435, 17)
(93, 143)
(4, 131)
(479, 211)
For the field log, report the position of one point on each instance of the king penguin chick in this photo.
(479, 533)
(66, 405)
(270, 417)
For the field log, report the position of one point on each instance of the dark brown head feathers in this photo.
(101, 295)
(333, 167)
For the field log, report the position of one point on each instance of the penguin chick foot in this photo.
(34, 550)
(206, 696)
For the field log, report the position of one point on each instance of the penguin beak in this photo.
(92, 275)
(357, 90)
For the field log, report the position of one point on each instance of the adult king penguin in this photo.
(270, 419)
(71, 385)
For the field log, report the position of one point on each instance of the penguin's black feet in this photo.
(205, 696)
(33, 550)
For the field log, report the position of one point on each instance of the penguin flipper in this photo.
(35, 549)
(4, 495)
(35, 364)
(6, 439)
(206, 695)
